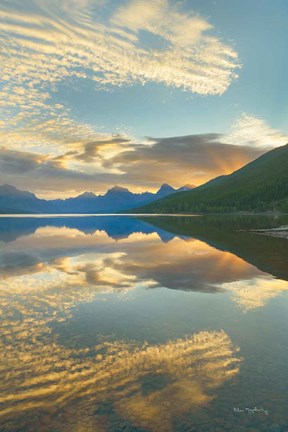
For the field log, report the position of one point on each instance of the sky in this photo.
(97, 93)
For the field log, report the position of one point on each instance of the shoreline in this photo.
(281, 232)
(35, 215)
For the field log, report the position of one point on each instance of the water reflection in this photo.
(233, 234)
(40, 376)
(119, 383)
(116, 227)
(58, 262)
(256, 292)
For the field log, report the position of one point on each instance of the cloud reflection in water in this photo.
(50, 385)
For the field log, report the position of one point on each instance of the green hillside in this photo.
(260, 186)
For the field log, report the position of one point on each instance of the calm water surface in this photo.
(162, 324)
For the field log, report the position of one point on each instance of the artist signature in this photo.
(250, 410)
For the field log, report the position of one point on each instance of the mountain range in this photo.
(114, 200)
(260, 186)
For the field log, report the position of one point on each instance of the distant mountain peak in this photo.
(165, 187)
(10, 190)
(6, 187)
(87, 195)
(118, 189)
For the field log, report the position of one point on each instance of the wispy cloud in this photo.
(48, 43)
(189, 57)
(254, 131)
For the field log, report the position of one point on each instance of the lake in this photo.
(147, 324)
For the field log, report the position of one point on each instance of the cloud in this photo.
(189, 56)
(254, 131)
(17, 162)
(50, 43)
(61, 41)
(188, 159)
(96, 165)
(162, 19)
(102, 148)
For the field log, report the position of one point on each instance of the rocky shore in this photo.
(281, 232)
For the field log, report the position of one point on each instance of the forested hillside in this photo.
(260, 186)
